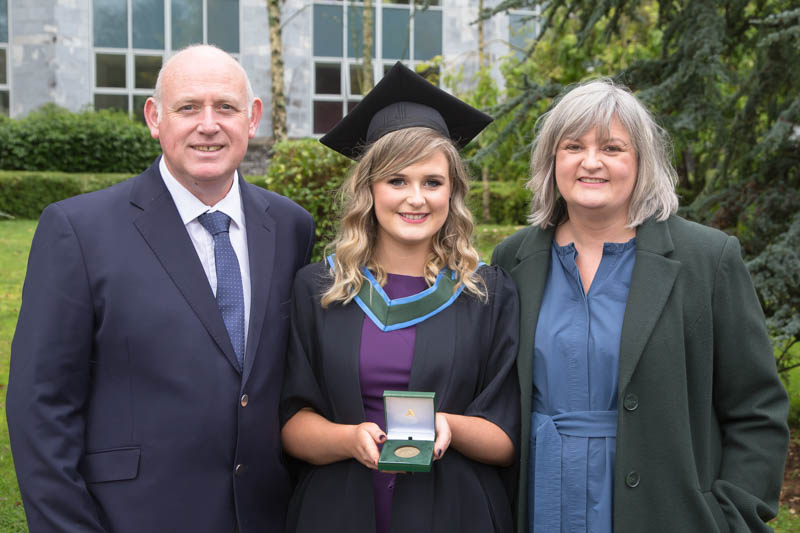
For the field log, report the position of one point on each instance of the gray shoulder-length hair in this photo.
(595, 104)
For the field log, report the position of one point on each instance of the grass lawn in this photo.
(15, 239)
(488, 236)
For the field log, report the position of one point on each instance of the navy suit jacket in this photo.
(126, 407)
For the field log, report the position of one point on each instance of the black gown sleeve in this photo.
(301, 387)
(498, 398)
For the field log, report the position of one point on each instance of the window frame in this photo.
(379, 63)
(130, 90)
(6, 87)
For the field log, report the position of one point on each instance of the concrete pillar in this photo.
(49, 55)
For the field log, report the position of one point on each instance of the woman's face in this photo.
(412, 205)
(596, 175)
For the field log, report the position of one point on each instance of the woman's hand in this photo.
(316, 440)
(364, 445)
(443, 436)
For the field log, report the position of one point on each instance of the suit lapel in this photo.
(162, 228)
(530, 275)
(261, 250)
(651, 284)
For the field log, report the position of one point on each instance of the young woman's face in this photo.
(412, 205)
(597, 175)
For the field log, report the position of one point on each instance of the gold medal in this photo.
(407, 452)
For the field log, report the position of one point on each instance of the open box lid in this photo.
(409, 415)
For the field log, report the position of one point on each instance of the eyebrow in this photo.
(402, 174)
(224, 99)
(572, 138)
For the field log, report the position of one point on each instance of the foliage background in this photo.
(52, 138)
(721, 77)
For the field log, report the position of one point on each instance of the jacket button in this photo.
(631, 402)
(244, 400)
(239, 469)
(632, 479)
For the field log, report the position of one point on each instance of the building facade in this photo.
(107, 53)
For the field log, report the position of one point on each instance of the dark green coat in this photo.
(701, 434)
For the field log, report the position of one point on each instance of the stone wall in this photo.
(49, 54)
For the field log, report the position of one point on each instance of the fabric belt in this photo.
(545, 467)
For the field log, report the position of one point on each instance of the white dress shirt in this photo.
(190, 207)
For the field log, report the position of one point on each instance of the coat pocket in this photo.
(118, 464)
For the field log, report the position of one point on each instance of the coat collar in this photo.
(535, 242)
(261, 239)
(530, 276)
(653, 277)
(162, 228)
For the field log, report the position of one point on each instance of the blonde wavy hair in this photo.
(594, 104)
(355, 241)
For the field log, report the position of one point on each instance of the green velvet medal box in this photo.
(410, 431)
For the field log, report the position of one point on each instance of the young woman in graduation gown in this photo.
(451, 328)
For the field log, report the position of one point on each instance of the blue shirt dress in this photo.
(575, 371)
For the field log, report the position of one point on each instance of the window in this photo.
(402, 30)
(4, 93)
(523, 27)
(133, 37)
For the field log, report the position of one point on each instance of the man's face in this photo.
(204, 125)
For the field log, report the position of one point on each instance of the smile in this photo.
(592, 180)
(414, 217)
(214, 148)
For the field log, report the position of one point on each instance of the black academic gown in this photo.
(465, 354)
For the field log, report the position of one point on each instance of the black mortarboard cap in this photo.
(404, 99)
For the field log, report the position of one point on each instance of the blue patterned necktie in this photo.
(230, 296)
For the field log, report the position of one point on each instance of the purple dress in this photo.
(385, 364)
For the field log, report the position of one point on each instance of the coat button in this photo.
(631, 402)
(239, 469)
(244, 400)
(632, 479)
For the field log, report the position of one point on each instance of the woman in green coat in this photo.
(650, 396)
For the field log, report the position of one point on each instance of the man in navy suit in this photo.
(147, 361)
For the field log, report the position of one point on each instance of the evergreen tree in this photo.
(721, 76)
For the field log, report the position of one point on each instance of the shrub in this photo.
(53, 138)
(26, 194)
(303, 170)
(310, 174)
(509, 203)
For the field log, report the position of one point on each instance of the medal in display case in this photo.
(410, 431)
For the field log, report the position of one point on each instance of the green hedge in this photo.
(24, 194)
(310, 174)
(303, 170)
(53, 138)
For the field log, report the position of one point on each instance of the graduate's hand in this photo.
(443, 436)
(364, 446)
